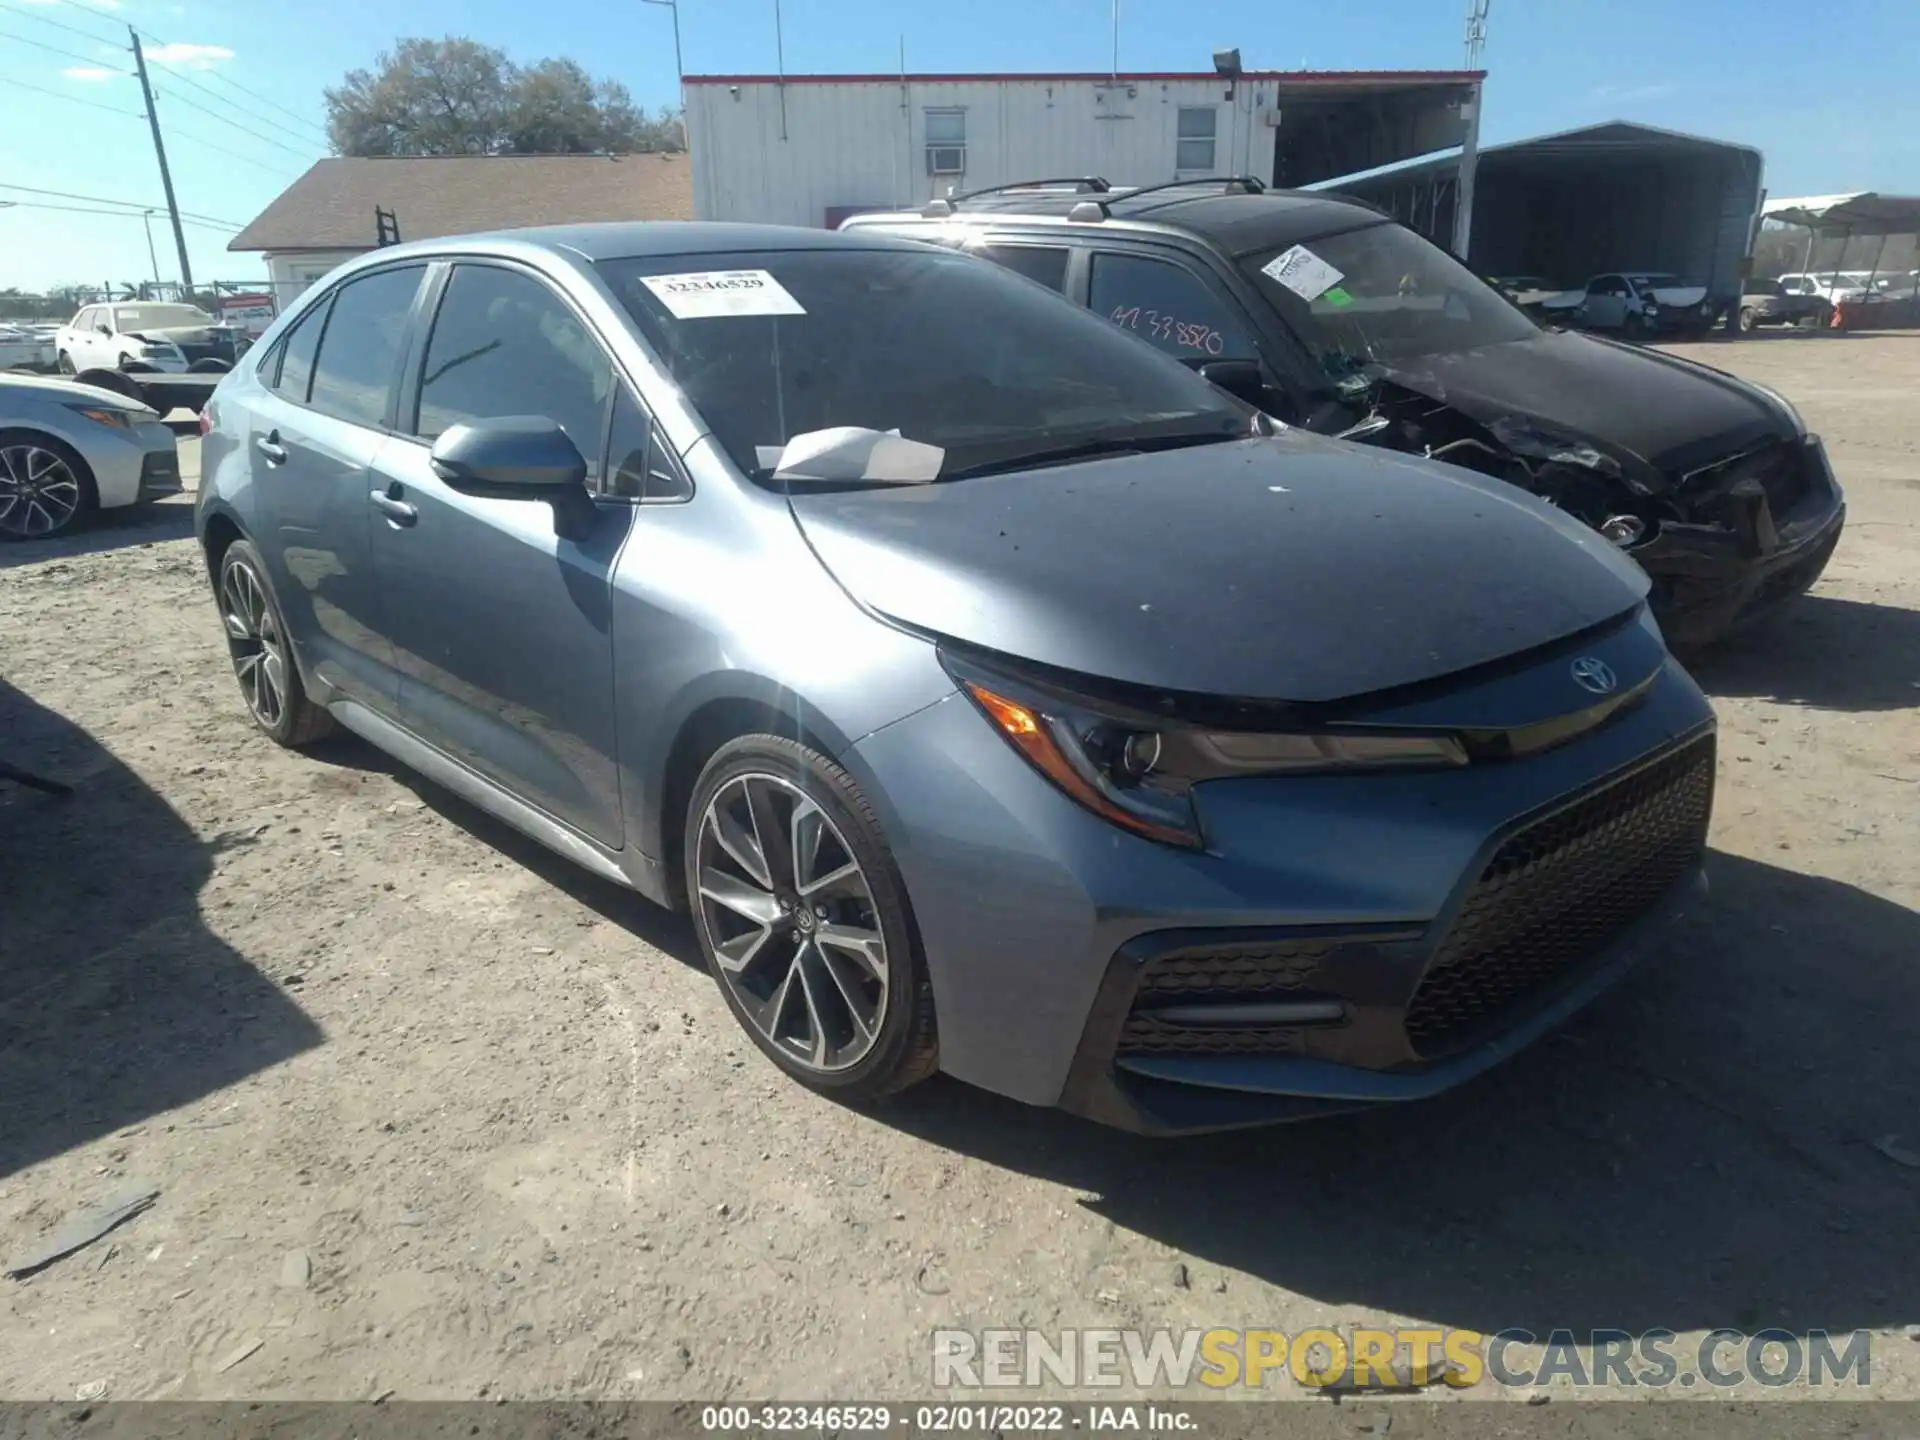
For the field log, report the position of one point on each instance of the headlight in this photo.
(1785, 406)
(1138, 771)
(112, 419)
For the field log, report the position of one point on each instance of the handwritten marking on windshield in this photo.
(1159, 326)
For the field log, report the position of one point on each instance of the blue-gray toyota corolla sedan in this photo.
(1000, 696)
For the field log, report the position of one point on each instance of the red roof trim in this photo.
(1299, 77)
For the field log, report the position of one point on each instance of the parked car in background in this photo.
(1825, 291)
(162, 336)
(920, 634)
(1529, 292)
(1336, 319)
(21, 348)
(1640, 304)
(67, 450)
(1768, 302)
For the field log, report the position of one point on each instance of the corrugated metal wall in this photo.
(863, 143)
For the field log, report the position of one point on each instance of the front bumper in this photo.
(1040, 923)
(1711, 580)
(133, 466)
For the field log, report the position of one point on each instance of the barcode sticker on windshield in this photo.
(710, 294)
(1302, 272)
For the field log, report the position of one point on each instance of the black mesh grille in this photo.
(1555, 893)
(1254, 970)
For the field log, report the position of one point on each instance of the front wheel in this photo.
(262, 654)
(45, 487)
(1749, 320)
(1638, 327)
(803, 919)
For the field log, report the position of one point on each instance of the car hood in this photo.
(181, 334)
(66, 392)
(1286, 569)
(1669, 412)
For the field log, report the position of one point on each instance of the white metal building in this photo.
(813, 149)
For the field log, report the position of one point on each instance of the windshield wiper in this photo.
(1092, 449)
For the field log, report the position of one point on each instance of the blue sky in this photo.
(1826, 91)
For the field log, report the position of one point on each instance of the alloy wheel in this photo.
(259, 654)
(791, 920)
(39, 492)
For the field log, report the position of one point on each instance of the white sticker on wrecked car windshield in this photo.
(709, 294)
(1302, 272)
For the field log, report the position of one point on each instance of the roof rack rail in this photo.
(1249, 185)
(1082, 185)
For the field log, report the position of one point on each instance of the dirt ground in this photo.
(431, 1113)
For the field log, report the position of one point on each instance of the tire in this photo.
(1638, 327)
(131, 366)
(263, 661)
(209, 365)
(795, 996)
(46, 488)
(1749, 320)
(113, 380)
(64, 364)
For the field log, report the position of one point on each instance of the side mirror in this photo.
(103, 330)
(525, 453)
(519, 457)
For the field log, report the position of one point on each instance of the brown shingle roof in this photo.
(331, 206)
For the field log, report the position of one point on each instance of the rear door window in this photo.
(1169, 306)
(360, 349)
(295, 375)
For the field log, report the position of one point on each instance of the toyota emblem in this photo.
(1593, 674)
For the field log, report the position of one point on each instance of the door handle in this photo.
(398, 512)
(269, 445)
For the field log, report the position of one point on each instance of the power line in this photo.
(235, 124)
(173, 74)
(254, 95)
(56, 24)
(12, 84)
(89, 60)
(117, 214)
(106, 200)
(177, 133)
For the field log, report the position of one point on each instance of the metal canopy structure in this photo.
(1862, 213)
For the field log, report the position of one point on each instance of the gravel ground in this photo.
(431, 1113)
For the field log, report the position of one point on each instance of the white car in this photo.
(1640, 302)
(21, 346)
(68, 449)
(166, 336)
(1833, 287)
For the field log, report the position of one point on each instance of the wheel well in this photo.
(221, 532)
(704, 732)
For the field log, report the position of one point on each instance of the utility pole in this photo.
(679, 70)
(146, 223)
(166, 176)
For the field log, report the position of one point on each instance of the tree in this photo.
(459, 97)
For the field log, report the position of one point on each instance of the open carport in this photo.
(1607, 197)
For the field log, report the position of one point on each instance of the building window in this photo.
(946, 142)
(1194, 148)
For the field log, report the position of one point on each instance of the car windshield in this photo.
(159, 317)
(944, 350)
(1381, 293)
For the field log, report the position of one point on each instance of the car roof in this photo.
(622, 240)
(1237, 223)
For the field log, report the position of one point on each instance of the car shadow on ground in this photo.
(106, 530)
(1697, 1150)
(116, 1001)
(1822, 651)
(669, 932)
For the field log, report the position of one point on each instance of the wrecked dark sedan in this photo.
(1333, 317)
(997, 696)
